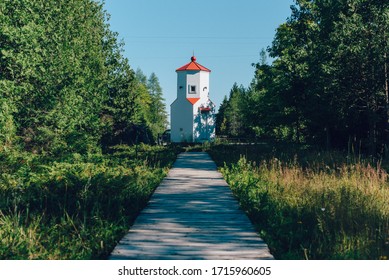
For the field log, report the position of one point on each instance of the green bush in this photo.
(77, 208)
(316, 211)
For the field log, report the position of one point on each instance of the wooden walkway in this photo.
(192, 216)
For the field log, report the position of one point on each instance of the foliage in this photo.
(52, 64)
(316, 206)
(77, 208)
(7, 125)
(328, 82)
(156, 115)
(231, 119)
(65, 86)
(328, 87)
(67, 94)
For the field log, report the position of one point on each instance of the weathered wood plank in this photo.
(188, 243)
(192, 215)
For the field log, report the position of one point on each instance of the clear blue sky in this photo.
(226, 36)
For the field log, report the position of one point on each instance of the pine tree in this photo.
(158, 115)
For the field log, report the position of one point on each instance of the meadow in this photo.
(309, 204)
(77, 207)
(305, 203)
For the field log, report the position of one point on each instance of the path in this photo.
(192, 215)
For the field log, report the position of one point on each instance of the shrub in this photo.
(313, 210)
(77, 208)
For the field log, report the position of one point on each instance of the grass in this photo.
(309, 204)
(77, 207)
(306, 204)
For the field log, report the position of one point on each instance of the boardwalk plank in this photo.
(192, 215)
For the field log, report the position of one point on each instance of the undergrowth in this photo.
(311, 205)
(77, 207)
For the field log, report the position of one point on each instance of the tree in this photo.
(126, 108)
(221, 120)
(158, 116)
(328, 83)
(140, 76)
(52, 62)
(64, 83)
(361, 34)
(231, 118)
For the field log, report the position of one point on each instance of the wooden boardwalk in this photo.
(192, 216)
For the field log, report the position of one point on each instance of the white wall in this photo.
(204, 83)
(181, 121)
(204, 127)
(181, 116)
(181, 82)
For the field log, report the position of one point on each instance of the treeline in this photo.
(65, 86)
(68, 100)
(327, 84)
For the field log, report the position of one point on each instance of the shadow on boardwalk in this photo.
(192, 215)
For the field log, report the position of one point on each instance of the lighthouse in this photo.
(192, 113)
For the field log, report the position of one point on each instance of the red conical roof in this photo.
(193, 66)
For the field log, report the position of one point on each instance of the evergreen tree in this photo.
(221, 119)
(158, 116)
(328, 83)
(140, 76)
(231, 118)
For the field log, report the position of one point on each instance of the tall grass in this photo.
(327, 207)
(76, 208)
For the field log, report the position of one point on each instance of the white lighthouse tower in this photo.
(192, 113)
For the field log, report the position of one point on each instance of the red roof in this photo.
(193, 66)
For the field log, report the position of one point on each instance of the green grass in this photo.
(77, 207)
(308, 204)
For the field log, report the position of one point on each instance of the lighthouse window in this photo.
(192, 89)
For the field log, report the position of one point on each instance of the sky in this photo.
(225, 36)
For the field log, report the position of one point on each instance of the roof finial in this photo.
(193, 58)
